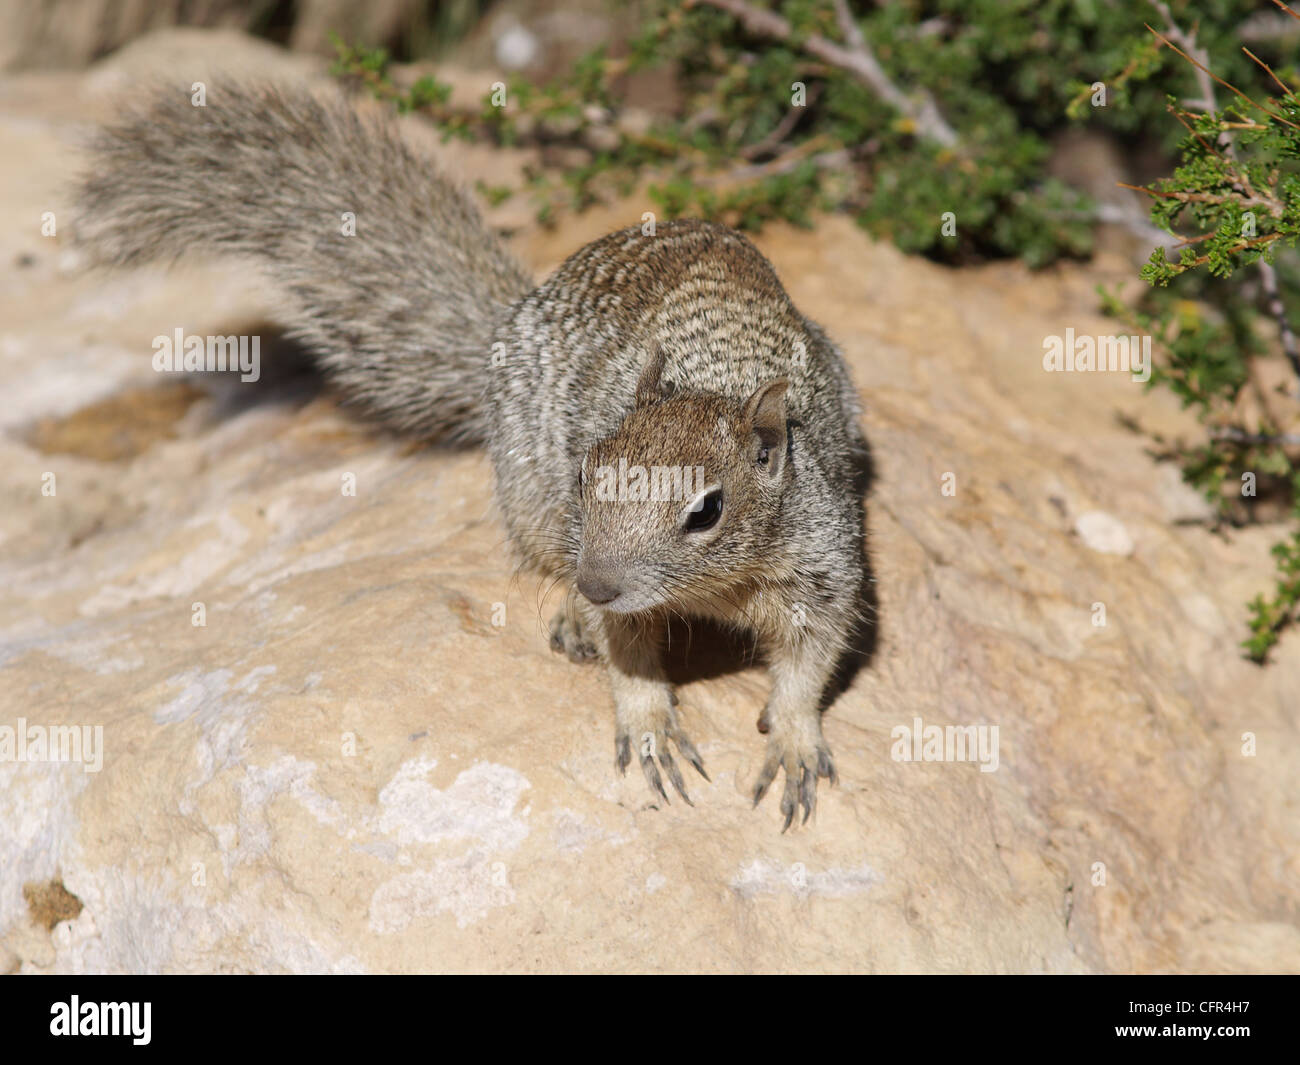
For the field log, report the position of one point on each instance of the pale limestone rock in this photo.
(350, 767)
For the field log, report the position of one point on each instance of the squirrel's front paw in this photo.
(649, 732)
(804, 758)
(567, 638)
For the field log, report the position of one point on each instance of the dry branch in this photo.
(856, 58)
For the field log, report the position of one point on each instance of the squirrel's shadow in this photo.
(701, 650)
(286, 375)
(289, 376)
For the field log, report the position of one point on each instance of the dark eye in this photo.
(762, 455)
(706, 513)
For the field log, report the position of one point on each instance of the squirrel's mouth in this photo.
(632, 603)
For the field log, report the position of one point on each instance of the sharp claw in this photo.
(689, 752)
(801, 775)
(674, 774)
(825, 767)
(622, 753)
(652, 775)
(790, 797)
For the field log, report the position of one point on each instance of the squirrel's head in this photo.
(682, 501)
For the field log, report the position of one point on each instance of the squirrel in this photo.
(664, 351)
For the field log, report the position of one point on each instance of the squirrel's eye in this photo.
(762, 455)
(705, 513)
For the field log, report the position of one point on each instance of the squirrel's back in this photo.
(575, 346)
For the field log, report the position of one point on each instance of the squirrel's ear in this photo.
(765, 415)
(649, 389)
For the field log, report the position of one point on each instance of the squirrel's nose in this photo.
(598, 582)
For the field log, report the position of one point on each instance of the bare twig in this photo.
(848, 26)
(856, 58)
(1198, 57)
(1285, 87)
(783, 128)
(784, 164)
(1289, 11)
(1205, 197)
(1135, 221)
(1273, 298)
(1240, 436)
(1205, 71)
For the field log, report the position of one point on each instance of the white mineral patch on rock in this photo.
(479, 805)
(763, 876)
(1104, 532)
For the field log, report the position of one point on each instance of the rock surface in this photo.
(369, 759)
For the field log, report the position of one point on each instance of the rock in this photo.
(515, 45)
(1179, 501)
(368, 759)
(1104, 532)
(71, 33)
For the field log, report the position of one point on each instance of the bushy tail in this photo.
(400, 314)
